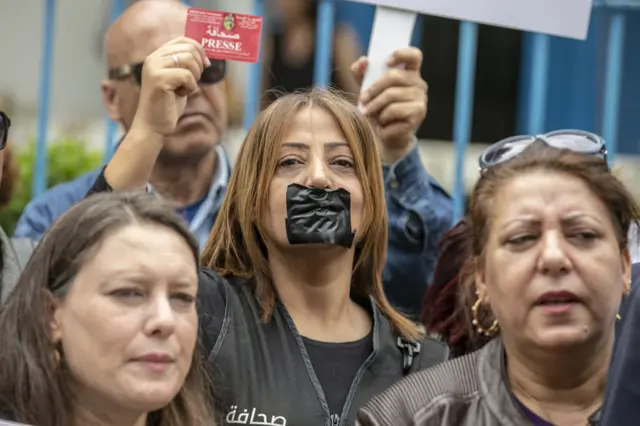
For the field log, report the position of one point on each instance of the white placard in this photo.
(565, 18)
(392, 29)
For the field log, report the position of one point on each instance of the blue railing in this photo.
(537, 90)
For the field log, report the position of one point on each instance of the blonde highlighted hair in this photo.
(236, 244)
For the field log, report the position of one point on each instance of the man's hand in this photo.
(169, 75)
(396, 103)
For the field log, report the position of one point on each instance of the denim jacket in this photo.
(40, 213)
(419, 209)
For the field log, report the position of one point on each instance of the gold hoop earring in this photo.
(476, 321)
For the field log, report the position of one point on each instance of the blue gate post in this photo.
(252, 97)
(539, 84)
(463, 114)
(117, 6)
(324, 44)
(40, 172)
(613, 82)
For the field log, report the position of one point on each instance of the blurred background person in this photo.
(15, 252)
(10, 175)
(551, 265)
(102, 327)
(289, 47)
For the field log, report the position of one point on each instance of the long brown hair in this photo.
(34, 388)
(236, 243)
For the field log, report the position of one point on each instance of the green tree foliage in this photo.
(67, 159)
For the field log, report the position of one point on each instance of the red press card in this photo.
(224, 35)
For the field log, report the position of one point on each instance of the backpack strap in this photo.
(21, 249)
(409, 351)
(433, 352)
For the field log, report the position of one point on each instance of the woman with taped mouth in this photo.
(291, 304)
(550, 264)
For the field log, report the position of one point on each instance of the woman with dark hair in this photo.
(446, 309)
(550, 261)
(102, 326)
(288, 51)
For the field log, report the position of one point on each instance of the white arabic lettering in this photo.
(245, 419)
(213, 32)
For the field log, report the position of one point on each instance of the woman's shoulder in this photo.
(432, 351)
(6, 418)
(214, 287)
(452, 383)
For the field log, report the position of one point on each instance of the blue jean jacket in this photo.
(419, 209)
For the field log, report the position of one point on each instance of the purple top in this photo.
(533, 417)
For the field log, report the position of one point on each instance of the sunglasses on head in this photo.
(5, 123)
(210, 75)
(577, 141)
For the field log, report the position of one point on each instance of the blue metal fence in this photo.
(535, 122)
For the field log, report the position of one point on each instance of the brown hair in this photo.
(594, 171)
(447, 304)
(442, 311)
(236, 243)
(34, 388)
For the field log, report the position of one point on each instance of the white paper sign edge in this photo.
(392, 30)
(564, 18)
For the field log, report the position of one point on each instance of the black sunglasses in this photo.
(5, 123)
(577, 141)
(210, 75)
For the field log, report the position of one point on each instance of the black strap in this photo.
(409, 351)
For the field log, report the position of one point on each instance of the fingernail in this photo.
(207, 62)
(364, 97)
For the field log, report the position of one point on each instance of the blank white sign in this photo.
(565, 18)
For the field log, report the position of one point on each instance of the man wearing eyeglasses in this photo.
(192, 169)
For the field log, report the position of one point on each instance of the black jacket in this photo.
(470, 390)
(622, 397)
(262, 370)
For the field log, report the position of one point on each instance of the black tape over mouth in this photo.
(319, 216)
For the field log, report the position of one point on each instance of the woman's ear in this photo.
(57, 307)
(626, 271)
(481, 286)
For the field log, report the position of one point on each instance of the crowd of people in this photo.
(318, 279)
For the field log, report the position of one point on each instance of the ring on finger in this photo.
(176, 61)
